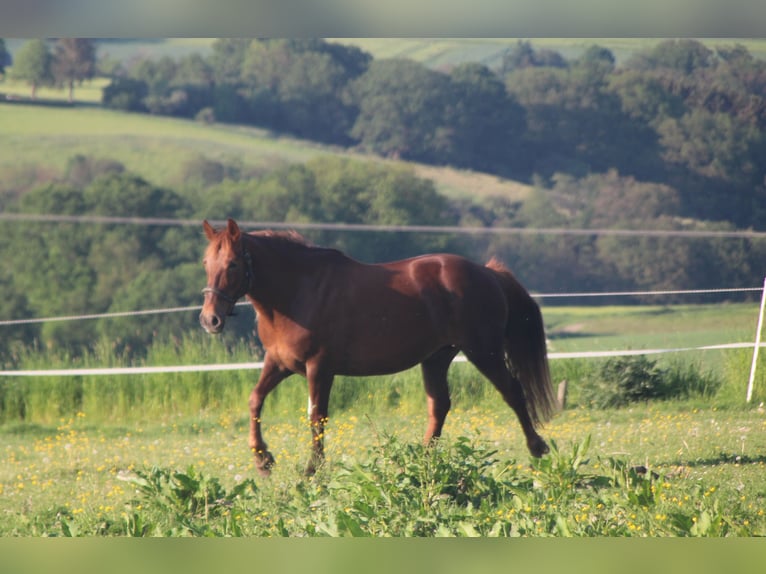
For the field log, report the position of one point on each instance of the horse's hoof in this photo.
(264, 461)
(538, 448)
(313, 464)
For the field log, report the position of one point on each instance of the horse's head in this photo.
(229, 273)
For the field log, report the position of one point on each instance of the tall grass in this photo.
(141, 397)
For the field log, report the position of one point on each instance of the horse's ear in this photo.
(209, 231)
(233, 229)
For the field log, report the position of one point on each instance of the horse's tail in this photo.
(525, 345)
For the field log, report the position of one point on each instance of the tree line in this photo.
(66, 269)
(679, 113)
(69, 61)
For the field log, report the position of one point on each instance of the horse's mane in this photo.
(282, 242)
(289, 237)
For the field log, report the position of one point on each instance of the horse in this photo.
(321, 313)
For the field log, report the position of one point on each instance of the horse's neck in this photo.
(279, 269)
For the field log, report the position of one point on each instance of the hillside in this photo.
(157, 148)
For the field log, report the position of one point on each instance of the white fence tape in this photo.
(755, 346)
(365, 227)
(258, 365)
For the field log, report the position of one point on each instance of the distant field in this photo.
(434, 52)
(613, 328)
(446, 52)
(157, 147)
(88, 92)
(127, 48)
(647, 327)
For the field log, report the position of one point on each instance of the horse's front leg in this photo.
(319, 383)
(271, 375)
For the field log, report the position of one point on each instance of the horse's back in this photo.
(462, 297)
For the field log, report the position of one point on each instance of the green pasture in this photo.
(88, 92)
(166, 455)
(447, 52)
(158, 147)
(651, 470)
(154, 147)
(649, 326)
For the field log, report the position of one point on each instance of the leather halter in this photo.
(232, 300)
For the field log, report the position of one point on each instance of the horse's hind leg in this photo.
(320, 383)
(493, 366)
(434, 370)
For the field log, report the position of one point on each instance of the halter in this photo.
(248, 280)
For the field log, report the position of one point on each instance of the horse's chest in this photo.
(290, 344)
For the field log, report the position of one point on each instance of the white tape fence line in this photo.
(365, 227)
(259, 364)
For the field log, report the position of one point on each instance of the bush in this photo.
(627, 380)
(125, 94)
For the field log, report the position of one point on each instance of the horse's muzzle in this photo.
(212, 322)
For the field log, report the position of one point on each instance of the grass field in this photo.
(183, 476)
(167, 456)
(443, 53)
(174, 461)
(157, 147)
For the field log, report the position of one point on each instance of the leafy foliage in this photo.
(459, 489)
(74, 61)
(174, 503)
(626, 380)
(32, 65)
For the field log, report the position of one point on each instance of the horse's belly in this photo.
(381, 356)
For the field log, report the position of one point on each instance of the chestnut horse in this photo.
(321, 314)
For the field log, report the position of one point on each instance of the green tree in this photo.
(5, 57)
(14, 305)
(126, 94)
(644, 97)
(81, 170)
(486, 123)
(227, 59)
(33, 65)
(597, 61)
(713, 145)
(194, 70)
(68, 268)
(50, 265)
(74, 61)
(523, 55)
(402, 107)
(576, 125)
(297, 86)
(684, 55)
(156, 288)
(338, 190)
